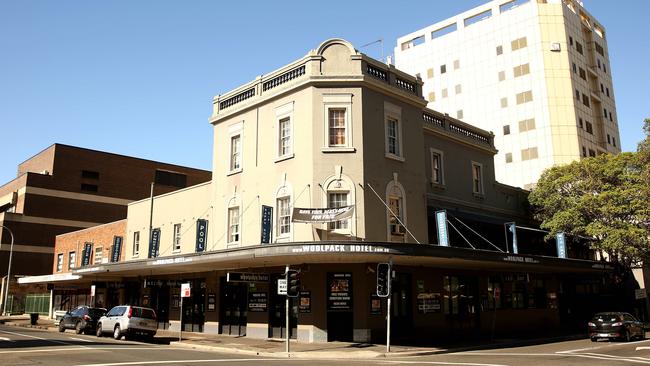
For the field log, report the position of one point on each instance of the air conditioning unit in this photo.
(396, 229)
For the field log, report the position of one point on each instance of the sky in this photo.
(138, 77)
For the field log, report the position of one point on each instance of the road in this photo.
(25, 346)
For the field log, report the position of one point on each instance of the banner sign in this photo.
(85, 258)
(247, 277)
(154, 243)
(561, 245)
(201, 234)
(117, 249)
(257, 302)
(512, 228)
(441, 224)
(267, 224)
(339, 292)
(313, 215)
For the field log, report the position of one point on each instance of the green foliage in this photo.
(603, 197)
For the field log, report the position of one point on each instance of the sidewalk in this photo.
(329, 350)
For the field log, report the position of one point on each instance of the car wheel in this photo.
(117, 333)
(78, 328)
(594, 339)
(98, 332)
(61, 327)
(627, 336)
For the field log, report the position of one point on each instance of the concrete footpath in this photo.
(329, 350)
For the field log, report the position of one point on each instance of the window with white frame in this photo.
(233, 224)
(396, 206)
(392, 136)
(393, 128)
(99, 254)
(59, 262)
(284, 217)
(72, 260)
(437, 167)
(235, 153)
(337, 127)
(335, 200)
(177, 237)
(136, 243)
(285, 147)
(477, 178)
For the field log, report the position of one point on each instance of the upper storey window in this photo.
(236, 133)
(393, 128)
(284, 124)
(337, 127)
(338, 123)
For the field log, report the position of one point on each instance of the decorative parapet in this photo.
(436, 121)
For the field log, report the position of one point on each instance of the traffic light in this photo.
(293, 283)
(383, 279)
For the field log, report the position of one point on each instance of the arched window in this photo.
(234, 221)
(283, 207)
(339, 191)
(395, 198)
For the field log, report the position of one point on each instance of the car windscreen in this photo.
(144, 313)
(609, 317)
(96, 313)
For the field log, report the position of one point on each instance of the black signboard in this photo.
(429, 302)
(212, 302)
(85, 258)
(257, 302)
(339, 292)
(154, 243)
(117, 249)
(247, 277)
(267, 224)
(305, 302)
(201, 234)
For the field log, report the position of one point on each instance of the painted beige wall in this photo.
(183, 207)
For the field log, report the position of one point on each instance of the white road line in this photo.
(35, 337)
(599, 347)
(640, 348)
(607, 358)
(5, 339)
(193, 361)
(82, 340)
(597, 356)
(443, 363)
(67, 349)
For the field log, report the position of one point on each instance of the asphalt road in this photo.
(25, 346)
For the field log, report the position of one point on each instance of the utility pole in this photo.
(11, 252)
(286, 309)
(151, 215)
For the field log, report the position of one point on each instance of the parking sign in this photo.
(185, 290)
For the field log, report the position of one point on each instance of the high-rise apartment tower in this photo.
(535, 72)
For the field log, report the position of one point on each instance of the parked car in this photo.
(82, 319)
(615, 325)
(128, 320)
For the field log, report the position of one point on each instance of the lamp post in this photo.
(11, 252)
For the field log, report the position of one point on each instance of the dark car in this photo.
(615, 325)
(82, 319)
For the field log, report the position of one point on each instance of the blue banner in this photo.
(201, 234)
(512, 228)
(85, 258)
(267, 224)
(561, 245)
(154, 243)
(441, 224)
(117, 249)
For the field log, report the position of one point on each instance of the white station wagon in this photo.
(128, 320)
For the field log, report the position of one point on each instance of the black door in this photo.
(340, 319)
(277, 314)
(233, 308)
(160, 303)
(401, 317)
(194, 307)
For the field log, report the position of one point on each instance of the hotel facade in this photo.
(535, 72)
(339, 133)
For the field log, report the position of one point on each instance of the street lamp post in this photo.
(11, 252)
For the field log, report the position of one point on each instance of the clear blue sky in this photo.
(138, 77)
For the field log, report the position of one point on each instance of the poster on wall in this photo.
(375, 305)
(257, 302)
(339, 292)
(304, 305)
(212, 302)
(428, 302)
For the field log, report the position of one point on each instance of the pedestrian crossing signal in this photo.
(383, 279)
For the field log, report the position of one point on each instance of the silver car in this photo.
(128, 320)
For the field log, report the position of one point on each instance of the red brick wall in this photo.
(98, 235)
(44, 160)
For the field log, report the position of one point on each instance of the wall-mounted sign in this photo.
(561, 245)
(212, 302)
(201, 234)
(282, 286)
(428, 303)
(311, 215)
(154, 243)
(257, 302)
(339, 248)
(339, 292)
(117, 249)
(304, 306)
(247, 277)
(441, 224)
(85, 258)
(186, 290)
(267, 224)
(375, 305)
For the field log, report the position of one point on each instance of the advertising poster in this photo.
(339, 292)
(304, 305)
(257, 302)
(428, 302)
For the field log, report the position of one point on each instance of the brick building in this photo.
(65, 188)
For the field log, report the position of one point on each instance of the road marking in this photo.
(193, 361)
(82, 340)
(597, 356)
(444, 363)
(599, 347)
(86, 349)
(640, 348)
(35, 337)
(5, 339)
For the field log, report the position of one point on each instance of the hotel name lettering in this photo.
(339, 248)
(513, 258)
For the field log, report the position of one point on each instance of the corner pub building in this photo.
(338, 129)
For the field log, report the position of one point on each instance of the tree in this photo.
(604, 198)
